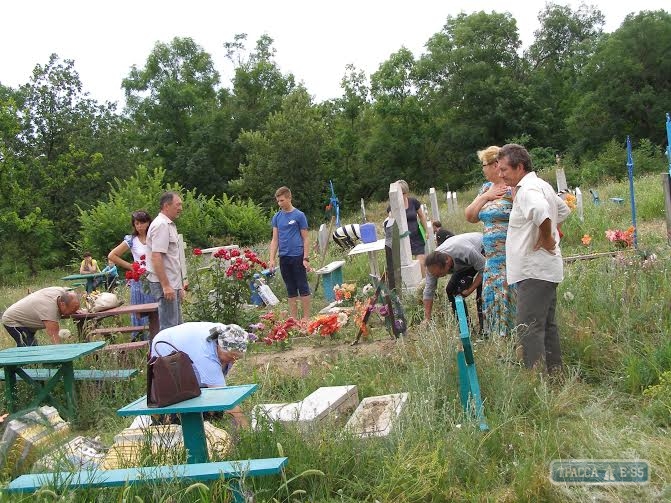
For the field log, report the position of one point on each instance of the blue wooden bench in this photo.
(595, 196)
(187, 473)
(80, 375)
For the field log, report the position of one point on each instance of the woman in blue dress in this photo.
(492, 207)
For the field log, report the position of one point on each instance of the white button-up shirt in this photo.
(535, 201)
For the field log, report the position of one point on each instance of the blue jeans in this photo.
(169, 311)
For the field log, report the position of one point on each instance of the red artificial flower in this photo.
(197, 251)
(143, 257)
(129, 275)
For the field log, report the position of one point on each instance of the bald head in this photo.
(68, 303)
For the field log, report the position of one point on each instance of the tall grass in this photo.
(614, 320)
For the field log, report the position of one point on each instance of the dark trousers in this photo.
(460, 281)
(536, 303)
(23, 336)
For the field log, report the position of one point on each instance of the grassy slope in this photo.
(614, 322)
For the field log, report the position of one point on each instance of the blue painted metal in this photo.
(630, 172)
(335, 205)
(147, 475)
(79, 374)
(668, 139)
(469, 386)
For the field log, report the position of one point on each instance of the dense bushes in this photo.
(205, 221)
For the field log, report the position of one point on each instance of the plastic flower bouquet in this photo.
(622, 239)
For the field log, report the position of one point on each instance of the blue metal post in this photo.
(469, 386)
(630, 172)
(335, 204)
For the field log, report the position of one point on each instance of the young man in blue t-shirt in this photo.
(290, 237)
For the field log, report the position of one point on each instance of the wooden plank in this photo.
(211, 399)
(125, 346)
(150, 474)
(55, 353)
(118, 330)
(79, 374)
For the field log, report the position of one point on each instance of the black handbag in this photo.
(170, 379)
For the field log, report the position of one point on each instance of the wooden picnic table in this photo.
(150, 309)
(90, 279)
(193, 428)
(13, 361)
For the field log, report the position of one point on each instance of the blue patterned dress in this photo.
(498, 299)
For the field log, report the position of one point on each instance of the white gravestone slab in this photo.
(430, 237)
(411, 272)
(433, 200)
(323, 237)
(561, 180)
(316, 407)
(375, 415)
(579, 204)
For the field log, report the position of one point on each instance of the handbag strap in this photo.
(165, 342)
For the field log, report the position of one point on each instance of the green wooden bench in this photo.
(80, 375)
(186, 473)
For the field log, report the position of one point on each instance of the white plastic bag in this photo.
(105, 301)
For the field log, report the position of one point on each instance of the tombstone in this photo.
(561, 180)
(452, 206)
(666, 185)
(579, 204)
(375, 416)
(430, 237)
(182, 256)
(410, 269)
(433, 200)
(363, 211)
(323, 237)
(393, 255)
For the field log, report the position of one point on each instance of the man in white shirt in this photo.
(165, 268)
(533, 257)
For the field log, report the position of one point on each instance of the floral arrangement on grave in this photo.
(328, 325)
(622, 239)
(345, 293)
(571, 201)
(275, 329)
(221, 287)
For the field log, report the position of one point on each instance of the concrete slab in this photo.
(375, 415)
(324, 402)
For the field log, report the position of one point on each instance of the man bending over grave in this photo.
(42, 309)
(461, 256)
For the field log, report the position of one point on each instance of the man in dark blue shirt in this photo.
(290, 237)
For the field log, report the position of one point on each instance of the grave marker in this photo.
(410, 269)
(433, 200)
(579, 204)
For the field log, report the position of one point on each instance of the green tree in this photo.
(563, 45)
(179, 115)
(625, 86)
(473, 81)
(287, 151)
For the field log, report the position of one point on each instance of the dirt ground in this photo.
(303, 354)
